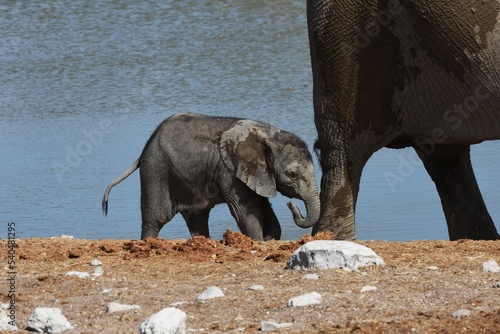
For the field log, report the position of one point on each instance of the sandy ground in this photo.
(421, 285)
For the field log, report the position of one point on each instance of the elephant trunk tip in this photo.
(300, 221)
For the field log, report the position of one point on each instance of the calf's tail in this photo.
(113, 183)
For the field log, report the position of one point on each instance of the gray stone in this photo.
(170, 320)
(48, 320)
(117, 307)
(305, 300)
(272, 325)
(491, 266)
(328, 254)
(256, 288)
(461, 313)
(210, 293)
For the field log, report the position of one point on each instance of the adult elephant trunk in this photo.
(312, 204)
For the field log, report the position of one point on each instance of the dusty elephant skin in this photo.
(421, 74)
(193, 162)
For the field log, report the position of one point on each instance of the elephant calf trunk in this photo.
(313, 211)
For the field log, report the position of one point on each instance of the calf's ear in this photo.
(245, 151)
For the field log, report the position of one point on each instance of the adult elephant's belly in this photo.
(441, 108)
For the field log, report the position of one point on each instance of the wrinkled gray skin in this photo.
(421, 74)
(193, 162)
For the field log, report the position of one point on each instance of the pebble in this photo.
(272, 325)
(210, 293)
(62, 236)
(311, 276)
(256, 288)
(117, 307)
(432, 268)
(95, 263)
(332, 254)
(461, 313)
(491, 266)
(305, 300)
(48, 320)
(98, 271)
(80, 274)
(170, 320)
(368, 288)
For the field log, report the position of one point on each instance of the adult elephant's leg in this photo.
(466, 215)
(197, 222)
(352, 102)
(339, 186)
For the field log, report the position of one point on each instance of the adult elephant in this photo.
(421, 74)
(193, 162)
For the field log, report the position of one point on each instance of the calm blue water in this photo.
(85, 83)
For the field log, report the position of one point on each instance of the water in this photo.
(85, 83)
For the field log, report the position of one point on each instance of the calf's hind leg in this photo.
(197, 222)
(156, 207)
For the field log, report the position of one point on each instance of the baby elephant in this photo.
(193, 162)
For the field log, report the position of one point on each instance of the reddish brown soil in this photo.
(410, 296)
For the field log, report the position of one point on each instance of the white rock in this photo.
(432, 268)
(62, 236)
(6, 322)
(461, 313)
(98, 271)
(95, 263)
(256, 288)
(491, 266)
(48, 320)
(80, 274)
(106, 290)
(368, 288)
(311, 276)
(170, 320)
(305, 300)
(327, 254)
(272, 325)
(117, 307)
(210, 293)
